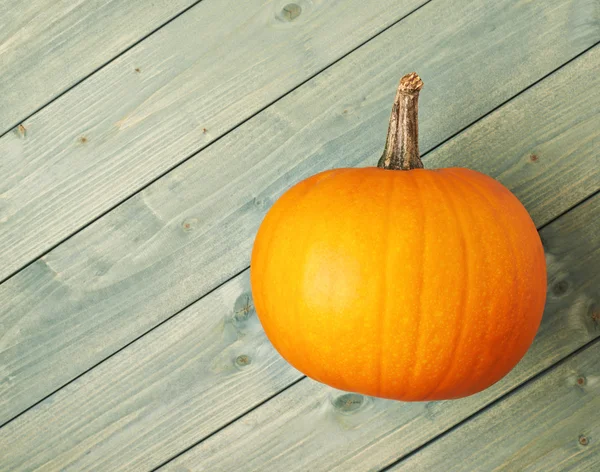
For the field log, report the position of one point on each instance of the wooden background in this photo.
(141, 144)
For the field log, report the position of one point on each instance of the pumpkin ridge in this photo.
(273, 227)
(301, 244)
(265, 260)
(518, 297)
(410, 371)
(464, 295)
(317, 366)
(386, 278)
(464, 184)
(514, 278)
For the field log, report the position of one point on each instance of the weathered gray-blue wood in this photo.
(178, 384)
(194, 228)
(163, 100)
(314, 427)
(46, 46)
(552, 424)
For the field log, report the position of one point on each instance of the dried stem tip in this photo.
(411, 83)
(402, 145)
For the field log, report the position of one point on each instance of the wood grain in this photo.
(313, 427)
(176, 385)
(551, 425)
(193, 229)
(160, 102)
(47, 46)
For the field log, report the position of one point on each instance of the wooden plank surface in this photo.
(193, 229)
(47, 46)
(314, 427)
(551, 425)
(180, 383)
(163, 100)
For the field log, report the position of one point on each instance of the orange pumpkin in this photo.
(396, 281)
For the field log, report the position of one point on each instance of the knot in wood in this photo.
(348, 403)
(560, 287)
(243, 360)
(189, 224)
(291, 11)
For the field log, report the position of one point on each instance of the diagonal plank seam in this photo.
(246, 268)
(199, 150)
(563, 213)
(98, 69)
(451, 428)
(229, 423)
(215, 288)
(302, 385)
(490, 405)
(533, 84)
(195, 153)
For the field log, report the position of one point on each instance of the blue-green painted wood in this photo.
(47, 46)
(193, 229)
(314, 427)
(163, 100)
(551, 425)
(180, 383)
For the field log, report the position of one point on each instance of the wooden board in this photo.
(193, 229)
(163, 100)
(180, 383)
(47, 46)
(552, 424)
(314, 427)
(121, 129)
(142, 406)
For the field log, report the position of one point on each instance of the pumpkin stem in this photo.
(402, 145)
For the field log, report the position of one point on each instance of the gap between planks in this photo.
(490, 405)
(245, 268)
(87, 75)
(286, 388)
(220, 137)
(241, 438)
(224, 282)
(448, 430)
(476, 413)
(160, 175)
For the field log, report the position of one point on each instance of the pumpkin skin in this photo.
(410, 285)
